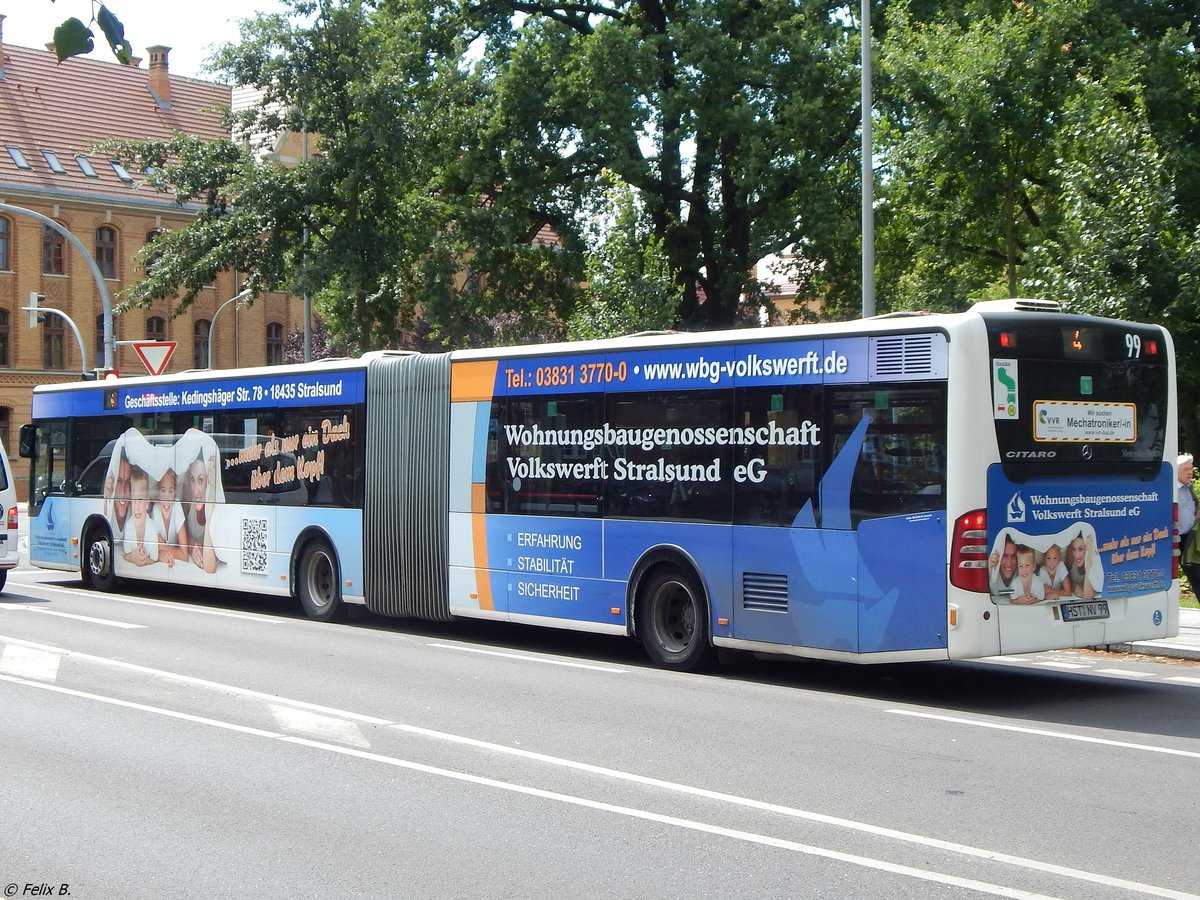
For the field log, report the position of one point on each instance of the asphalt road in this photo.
(201, 746)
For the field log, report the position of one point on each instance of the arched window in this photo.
(53, 344)
(5, 232)
(5, 337)
(200, 344)
(106, 251)
(274, 343)
(156, 328)
(53, 252)
(5, 426)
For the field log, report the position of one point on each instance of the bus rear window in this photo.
(1075, 397)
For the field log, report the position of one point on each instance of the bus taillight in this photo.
(968, 552)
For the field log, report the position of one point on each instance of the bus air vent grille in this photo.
(768, 593)
(902, 355)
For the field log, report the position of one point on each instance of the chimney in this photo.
(160, 79)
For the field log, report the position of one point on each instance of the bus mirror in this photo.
(28, 441)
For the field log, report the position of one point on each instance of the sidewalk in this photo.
(1185, 646)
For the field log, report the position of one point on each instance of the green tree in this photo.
(968, 139)
(453, 132)
(1049, 148)
(987, 146)
(1108, 250)
(630, 286)
(381, 224)
(735, 123)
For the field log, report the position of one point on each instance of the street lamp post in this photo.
(868, 172)
(105, 297)
(213, 324)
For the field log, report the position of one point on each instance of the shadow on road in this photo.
(1038, 696)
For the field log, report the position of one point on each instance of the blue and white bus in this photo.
(900, 488)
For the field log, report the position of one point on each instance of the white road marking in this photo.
(142, 707)
(1185, 679)
(29, 662)
(524, 657)
(1054, 664)
(63, 615)
(315, 725)
(1043, 732)
(1125, 673)
(689, 824)
(808, 816)
(202, 682)
(791, 812)
(161, 604)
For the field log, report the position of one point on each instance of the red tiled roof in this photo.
(66, 108)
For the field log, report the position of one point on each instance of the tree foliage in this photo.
(453, 132)
(74, 38)
(1048, 148)
(734, 122)
(629, 283)
(1002, 126)
(1041, 146)
(382, 224)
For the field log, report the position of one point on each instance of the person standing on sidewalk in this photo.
(1185, 468)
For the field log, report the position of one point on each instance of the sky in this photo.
(190, 29)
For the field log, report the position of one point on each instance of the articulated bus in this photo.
(913, 487)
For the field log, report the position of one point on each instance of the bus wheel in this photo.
(672, 620)
(318, 582)
(3, 578)
(97, 567)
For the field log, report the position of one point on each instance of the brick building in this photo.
(51, 116)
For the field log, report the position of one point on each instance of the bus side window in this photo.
(671, 431)
(901, 465)
(552, 474)
(774, 480)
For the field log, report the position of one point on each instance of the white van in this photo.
(8, 518)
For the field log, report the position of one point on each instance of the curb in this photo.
(1152, 648)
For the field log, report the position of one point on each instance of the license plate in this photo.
(1077, 612)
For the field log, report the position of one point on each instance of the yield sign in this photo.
(155, 354)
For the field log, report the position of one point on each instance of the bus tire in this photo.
(3, 578)
(672, 620)
(318, 582)
(97, 563)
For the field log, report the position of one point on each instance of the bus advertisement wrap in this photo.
(811, 362)
(215, 396)
(1079, 538)
(166, 499)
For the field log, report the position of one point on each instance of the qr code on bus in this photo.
(254, 546)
